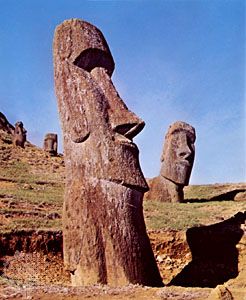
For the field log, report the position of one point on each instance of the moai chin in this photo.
(105, 239)
(19, 135)
(50, 143)
(177, 160)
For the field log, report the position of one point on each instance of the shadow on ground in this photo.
(214, 254)
(227, 196)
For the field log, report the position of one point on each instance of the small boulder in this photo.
(220, 293)
(241, 196)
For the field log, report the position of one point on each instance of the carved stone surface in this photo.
(178, 153)
(164, 190)
(176, 164)
(105, 239)
(50, 143)
(19, 135)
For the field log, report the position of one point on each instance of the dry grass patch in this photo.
(181, 216)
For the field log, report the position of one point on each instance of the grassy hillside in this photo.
(32, 186)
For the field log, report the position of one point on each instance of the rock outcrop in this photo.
(105, 239)
(5, 125)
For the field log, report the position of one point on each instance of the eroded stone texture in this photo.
(5, 125)
(105, 239)
(50, 143)
(178, 153)
(19, 135)
(176, 164)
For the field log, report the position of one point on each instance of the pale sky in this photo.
(174, 60)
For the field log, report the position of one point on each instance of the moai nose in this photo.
(184, 150)
(122, 120)
(184, 153)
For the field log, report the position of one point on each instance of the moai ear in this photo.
(79, 131)
(86, 61)
(75, 116)
(71, 104)
(77, 46)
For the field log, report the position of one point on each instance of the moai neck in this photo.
(175, 191)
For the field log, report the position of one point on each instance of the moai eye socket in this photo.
(92, 58)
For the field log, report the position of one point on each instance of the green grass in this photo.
(198, 192)
(36, 195)
(26, 183)
(208, 191)
(20, 172)
(181, 216)
(32, 224)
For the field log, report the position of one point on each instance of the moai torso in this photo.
(105, 239)
(19, 135)
(50, 143)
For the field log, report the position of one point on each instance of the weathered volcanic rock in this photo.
(160, 190)
(5, 125)
(105, 239)
(50, 143)
(176, 164)
(241, 196)
(19, 134)
(220, 293)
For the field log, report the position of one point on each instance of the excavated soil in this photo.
(31, 266)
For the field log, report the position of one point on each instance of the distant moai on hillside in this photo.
(176, 164)
(19, 135)
(104, 234)
(51, 143)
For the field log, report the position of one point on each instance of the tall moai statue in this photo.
(19, 135)
(177, 158)
(50, 143)
(176, 164)
(105, 239)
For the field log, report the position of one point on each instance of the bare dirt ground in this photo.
(40, 275)
(105, 293)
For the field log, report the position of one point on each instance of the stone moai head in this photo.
(178, 153)
(92, 114)
(50, 143)
(104, 234)
(19, 135)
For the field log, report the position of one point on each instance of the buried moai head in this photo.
(92, 113)
(178, 153)
(19, 135)
(50, 143)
